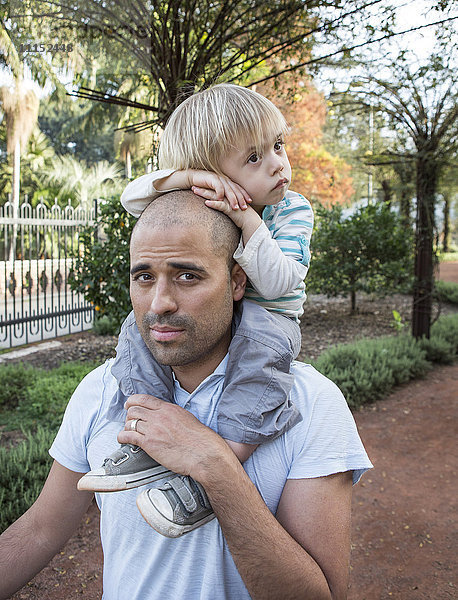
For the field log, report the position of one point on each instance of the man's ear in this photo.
(238, 282)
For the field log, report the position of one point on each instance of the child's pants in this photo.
(254, 405)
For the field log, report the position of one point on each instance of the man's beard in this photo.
(165, 353)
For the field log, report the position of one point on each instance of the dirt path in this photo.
(404, 528)
(404, 511)
(448, 271)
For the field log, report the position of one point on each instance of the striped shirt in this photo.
(277, 256)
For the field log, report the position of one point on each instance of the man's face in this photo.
(182, 294)
(265, 176)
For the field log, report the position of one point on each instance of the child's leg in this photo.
(242, 451)
(255, 405)
(136, 373)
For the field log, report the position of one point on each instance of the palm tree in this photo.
(131, 143)
(20, 107)
(86, 183)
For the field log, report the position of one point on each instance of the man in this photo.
(283, 519)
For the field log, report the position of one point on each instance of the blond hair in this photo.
(209, 124)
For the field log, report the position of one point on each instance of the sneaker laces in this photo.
(122, 452)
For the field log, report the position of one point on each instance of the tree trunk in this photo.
(427, 172)
(128, 165)
(16, 183)
(387, 192)
(446, 229)
(404, 208)
(353, 301)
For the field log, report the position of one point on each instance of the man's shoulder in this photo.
(306, 374)
(97, 384)
(312, 387)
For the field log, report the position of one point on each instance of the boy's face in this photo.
(266, 176)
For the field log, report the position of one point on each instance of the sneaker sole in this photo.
(119, 483)
(159, 523)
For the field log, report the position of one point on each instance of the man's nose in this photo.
(163, 299)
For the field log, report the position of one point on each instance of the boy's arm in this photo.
(28, 545)
(275, 259)
(140, 192)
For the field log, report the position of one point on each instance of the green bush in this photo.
(45, 398)
(14, 380)
(105, 326)
(447, 327)
(367, 370)
(442, 347)
(101, 273)
(447, 291)
(23, 471)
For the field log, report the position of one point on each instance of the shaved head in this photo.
(182, 208)
(182, 286)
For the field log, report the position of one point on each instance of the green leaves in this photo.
(102, 270)
(368, 369)
(369, 251)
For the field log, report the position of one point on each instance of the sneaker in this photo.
(127, 468)
(178, 506)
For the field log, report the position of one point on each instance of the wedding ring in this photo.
(133, 424)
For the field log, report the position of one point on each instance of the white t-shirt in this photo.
(139, 563)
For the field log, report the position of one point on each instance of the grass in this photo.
(30, 397)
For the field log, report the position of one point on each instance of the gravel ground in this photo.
(325, 323)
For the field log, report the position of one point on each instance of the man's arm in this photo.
(301, 554)
(29, 544)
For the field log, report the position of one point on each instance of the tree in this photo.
(78, 129)
(369, 251)
(317, 173)
(102, 272)
(419, 98)
(74, 178)
(177, 46)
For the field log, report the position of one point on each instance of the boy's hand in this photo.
(215, 187)
(247, 220)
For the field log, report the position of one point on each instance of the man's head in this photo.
(207, 126)
(183, 281)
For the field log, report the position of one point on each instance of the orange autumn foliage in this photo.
(317, 174)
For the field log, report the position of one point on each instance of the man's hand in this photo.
(173, 436)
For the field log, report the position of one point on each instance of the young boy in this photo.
(225, 143)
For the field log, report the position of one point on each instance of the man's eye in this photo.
(187, 277)
(253, 158)
(143, 277)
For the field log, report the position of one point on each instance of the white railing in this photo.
(38, 249)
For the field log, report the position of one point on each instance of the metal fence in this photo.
(38, 249)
